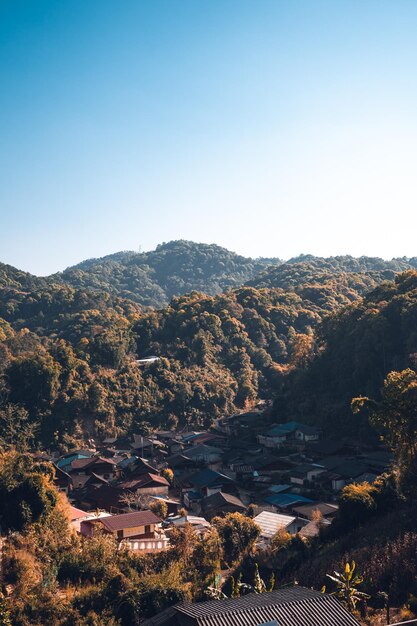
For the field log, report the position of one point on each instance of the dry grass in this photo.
(378, 617)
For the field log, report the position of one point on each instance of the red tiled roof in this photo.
(130, 520)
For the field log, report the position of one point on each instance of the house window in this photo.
(120, 534)
(147, 529)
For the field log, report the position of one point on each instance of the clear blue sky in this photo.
(272, 127)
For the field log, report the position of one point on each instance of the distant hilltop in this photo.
(179, 267)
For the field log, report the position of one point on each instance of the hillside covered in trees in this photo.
(172, 269)
(354, 350)
(179, 267)
(310, 333)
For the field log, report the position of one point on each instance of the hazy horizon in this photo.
(270, 128)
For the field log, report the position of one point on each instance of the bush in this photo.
(356, 504)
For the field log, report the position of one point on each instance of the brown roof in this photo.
(96, 460)
(79, 463)
(101, 459)
(311, 529)
(219, 499)
(142, 481)
(130, 520)
(103, 497)
(307, 510)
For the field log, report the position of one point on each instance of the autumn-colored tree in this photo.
(207, 556)
(280, 540)
(183, 541)
(168, 474)
(356, 504)
(159, 507)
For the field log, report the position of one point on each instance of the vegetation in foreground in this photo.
(57, 577)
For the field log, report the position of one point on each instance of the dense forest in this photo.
(68, 354)
(354, 350)
(175, 268)
(179, 267)
(311, 333)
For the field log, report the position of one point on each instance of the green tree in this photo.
(395, 416)
(238, 534)
(183, 541)
(356, 504)
(207, 557)
(33, 380)
(16, 431)
(4, 612)
(26, 491)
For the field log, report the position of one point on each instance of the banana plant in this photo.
(347, 583)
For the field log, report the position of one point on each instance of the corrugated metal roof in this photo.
(130, 520)
(295, 606)
(271, 523)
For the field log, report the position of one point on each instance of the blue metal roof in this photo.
(67, 460)
(207, 477)
(283, 429)
(286, 499)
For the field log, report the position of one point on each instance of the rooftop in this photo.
(307, 510)
(286, 499)
(270, 523)
(295, 606)
(207, 477)
(130, 520)
(221, 499)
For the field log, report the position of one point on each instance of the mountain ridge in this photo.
(178, 267)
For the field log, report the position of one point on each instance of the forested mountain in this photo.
(175, 268)
(295, 276)
(16, 279)
(355, 349)
(67, 356)
(179, 267)
(300, 332)
(347, 263)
